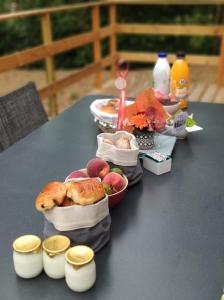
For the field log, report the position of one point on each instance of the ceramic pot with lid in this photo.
(80, 268)
(54, 248)
(27, 256)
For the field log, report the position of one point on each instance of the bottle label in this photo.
(179, 88)
(181, 92)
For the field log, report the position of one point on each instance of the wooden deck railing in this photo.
(50, 47)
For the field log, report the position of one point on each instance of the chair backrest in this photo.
(20, 113)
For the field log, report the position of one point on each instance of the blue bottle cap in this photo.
(162, 54)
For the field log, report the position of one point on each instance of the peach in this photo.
(77, 174)
(115, 181)
(97, 167)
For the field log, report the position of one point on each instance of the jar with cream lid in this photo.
(80, 268)
(27, 256)
(54, 248)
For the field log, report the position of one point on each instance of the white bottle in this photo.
(161, 74)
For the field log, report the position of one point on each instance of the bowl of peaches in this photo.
(115, 183)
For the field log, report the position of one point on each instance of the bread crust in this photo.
(123, 143)
(52, 194)
(85, 192)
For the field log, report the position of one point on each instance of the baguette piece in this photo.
(85, 192)
(52, 194)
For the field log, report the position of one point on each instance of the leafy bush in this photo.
(18, 34)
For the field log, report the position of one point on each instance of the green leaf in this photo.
(107, 189)
(190, 122)
(117, 170)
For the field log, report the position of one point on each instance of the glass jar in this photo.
(27, 256)
(80, 268)
(54, 255)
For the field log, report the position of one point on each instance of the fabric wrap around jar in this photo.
(125, 159)
(145, 140)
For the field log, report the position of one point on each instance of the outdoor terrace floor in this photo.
(203, 86)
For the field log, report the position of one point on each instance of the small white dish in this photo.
(171, 109)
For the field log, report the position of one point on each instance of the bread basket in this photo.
(126, 159)
(88, 225)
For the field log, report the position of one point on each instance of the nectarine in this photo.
(115, 181)
(97, 167)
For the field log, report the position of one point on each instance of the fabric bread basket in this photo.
(126, 159)
(88, 225)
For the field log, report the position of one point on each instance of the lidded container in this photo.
(80, 268)
(179, 80)
(161, 75)
(54, 249)
(27, 256)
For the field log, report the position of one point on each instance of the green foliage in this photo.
(24, 33)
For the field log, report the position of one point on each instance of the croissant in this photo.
(52, 194)
(85, 192)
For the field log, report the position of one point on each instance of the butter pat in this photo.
(155, 167)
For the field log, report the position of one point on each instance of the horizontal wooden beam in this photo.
(32, 55)
(61, 84)
(169, 2)
(51, 10)
(161, 29)
(207, 60)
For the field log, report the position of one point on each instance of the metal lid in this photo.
(56, 244)
(162, 54)
(181, 54)
(27, 244)
(79, 255)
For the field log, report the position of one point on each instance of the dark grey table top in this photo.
(167, 236)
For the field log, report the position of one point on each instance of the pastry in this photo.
(52, 194)
(67, 202)
(85, 192)
(123, 143)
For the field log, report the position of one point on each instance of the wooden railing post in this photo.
(49, 62)
(113, 37)
(220, 79)
(96, 43)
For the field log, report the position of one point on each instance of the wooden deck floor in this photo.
(203, 86)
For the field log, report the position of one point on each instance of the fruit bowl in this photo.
(113, 199)
(116, 198)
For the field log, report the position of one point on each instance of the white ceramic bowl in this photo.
(171, 109)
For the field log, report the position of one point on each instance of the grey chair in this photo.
(20, 113)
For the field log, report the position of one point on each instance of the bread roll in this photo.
(85, 192)
(52, 194)
(123, 143)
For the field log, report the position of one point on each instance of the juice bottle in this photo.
(161, 75)
(179, 79)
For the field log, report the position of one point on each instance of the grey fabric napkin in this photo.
(134, 173)
(95, 237)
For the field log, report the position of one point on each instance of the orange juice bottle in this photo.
(179, 79)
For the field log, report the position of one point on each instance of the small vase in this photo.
(145, 140)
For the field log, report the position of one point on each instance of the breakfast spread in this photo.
(79, 206)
